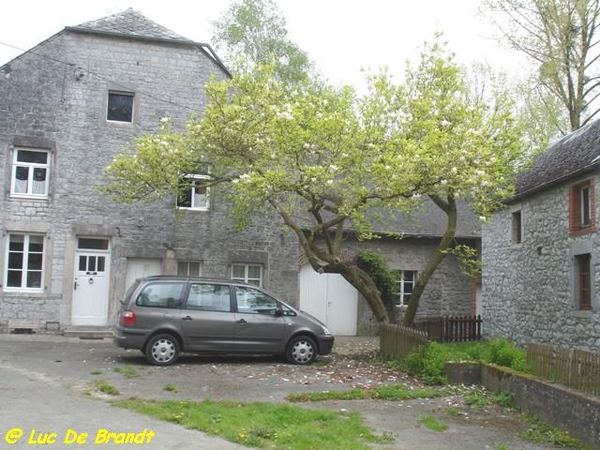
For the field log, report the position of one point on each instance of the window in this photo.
(583, 283)
(189, 268)
(194, 193)
(517, 227)
(120, 107)
(161, 295)
(581, 208)
(406, 283)
(30, 173)
(253, 301)
(25, 261)
(248, 273)
(209, 297)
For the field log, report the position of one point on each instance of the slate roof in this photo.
(573, 155)
(430, 221)
(131, 23)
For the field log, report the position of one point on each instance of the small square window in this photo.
(194, 193)
(120, 107)
(30, 173)
(189, 268)
(248, 273)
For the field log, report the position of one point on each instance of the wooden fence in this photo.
(577, 369)
(451, 328)
(396, 341)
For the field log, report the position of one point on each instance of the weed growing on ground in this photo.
(127, 371)
(265, 425)
(433, 424)
(541, 432)
(392, 392)
(103, 386)
(171, 388)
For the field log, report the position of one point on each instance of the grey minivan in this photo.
(165, 315)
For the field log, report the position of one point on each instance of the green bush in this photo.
(428, 362)
(505, 354)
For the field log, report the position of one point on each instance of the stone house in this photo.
(68, 254)
(540, 277)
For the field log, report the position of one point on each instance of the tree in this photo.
(329, 163)
(561, 38)
(254, 32)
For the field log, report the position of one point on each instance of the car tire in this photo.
(301, 350)
(162, 349)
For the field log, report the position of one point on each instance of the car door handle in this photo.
(187, 318)
(242, 321)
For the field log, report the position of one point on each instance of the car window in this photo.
(254, 301)
(161, 295)
(209, 297)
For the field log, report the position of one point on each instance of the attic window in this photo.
(120, 107)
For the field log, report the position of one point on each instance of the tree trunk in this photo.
(365, 285)
(449, 207)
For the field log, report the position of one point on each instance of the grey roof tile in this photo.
(132, 23)
(566, 158)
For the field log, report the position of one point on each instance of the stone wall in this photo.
(528, 289)
(56, 99)
(449, 292)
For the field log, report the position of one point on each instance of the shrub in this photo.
(503, 353)
(428, 362)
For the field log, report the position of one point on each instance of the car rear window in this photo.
(161, 295)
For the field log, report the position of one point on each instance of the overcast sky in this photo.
(341, 36)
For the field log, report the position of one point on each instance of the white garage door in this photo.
(331, 299)
(141, 267)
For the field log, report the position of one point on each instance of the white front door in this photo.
(90, 288)
(331, 299)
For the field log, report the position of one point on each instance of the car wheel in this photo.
(301, 350)
(162, 349)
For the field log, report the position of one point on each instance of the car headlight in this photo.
(326, 330)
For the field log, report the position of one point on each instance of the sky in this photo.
(341, 36)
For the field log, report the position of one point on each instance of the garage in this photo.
(331, 299)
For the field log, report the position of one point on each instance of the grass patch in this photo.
(392, 392)
(103, 386)
(428, 362)
(96, 372)
(433, 424)
(127, 371)
(541, 432)
(171, 388)
(264, 425)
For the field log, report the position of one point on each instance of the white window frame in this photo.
(125, 94)
(192, 178)
(31, 167)
(246, 278)
(187, 266)
(402, 294)
(24, 269)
